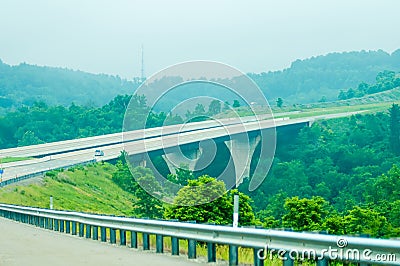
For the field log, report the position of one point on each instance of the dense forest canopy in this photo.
(305, 81)
(25, 84)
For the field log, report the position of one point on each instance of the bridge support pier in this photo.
(176, 158)
(242, 149)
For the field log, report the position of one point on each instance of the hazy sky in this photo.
(105, 36)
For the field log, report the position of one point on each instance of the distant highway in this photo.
(140, 141)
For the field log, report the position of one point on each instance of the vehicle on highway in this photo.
(98, 153)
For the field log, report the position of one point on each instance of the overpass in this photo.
(139, 143)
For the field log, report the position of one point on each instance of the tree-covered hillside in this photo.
(306, 81)
(24, 84)
(313, 79)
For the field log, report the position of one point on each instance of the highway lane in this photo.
(22, 244)
(111, 139)
(155, 143)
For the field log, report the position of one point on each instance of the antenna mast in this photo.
(142, 69)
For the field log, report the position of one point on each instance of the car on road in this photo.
(98, 153)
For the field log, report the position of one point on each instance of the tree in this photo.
(181, 177)
(147, 205)
(305, 214)
(364, 221)
(206, 200)
(236, 104)
(394, 112)
(29, 138)
(279, 102)
(214, 107)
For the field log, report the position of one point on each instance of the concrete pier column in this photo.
(242, 149)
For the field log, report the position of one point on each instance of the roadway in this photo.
(139, 142)
(22, 244)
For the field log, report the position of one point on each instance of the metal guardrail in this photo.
(24, 177)
(288, 246)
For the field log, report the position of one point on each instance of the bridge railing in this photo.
(288, 246)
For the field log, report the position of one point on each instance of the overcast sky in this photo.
(105, 36)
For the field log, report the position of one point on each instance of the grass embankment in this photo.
(14, 159)
(86, 189)
(371, 104)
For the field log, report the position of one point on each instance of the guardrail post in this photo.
(146, 241)
(73, 227)
(159, 244)
(133, 239)
(192, 254)
(211, 252)
(81, 229)
(88, 231)
(67, 227)
(62, 226)
(233, 255)
(323, 262)
(113, 238)
(287, 260)
(175, 246)
(122, 237)
(56, 224)
(95, 233)
(41, 222)
(103, 234)
(259, 256)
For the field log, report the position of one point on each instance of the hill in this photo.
(87, 189)
(324, 76)
(24, 84)
(305, 81)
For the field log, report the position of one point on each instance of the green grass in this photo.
(86, 189)
(370, 104)
(14, 159)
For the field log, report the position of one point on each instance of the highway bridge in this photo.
(139, 143)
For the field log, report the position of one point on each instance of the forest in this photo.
(305, 81)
